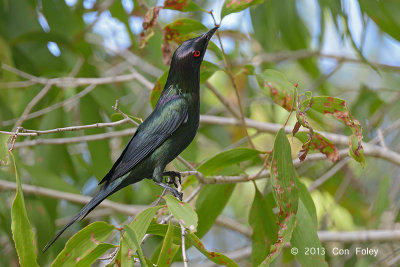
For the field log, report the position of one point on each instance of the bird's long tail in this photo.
(104, 192)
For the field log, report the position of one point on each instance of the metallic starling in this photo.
(168, 130)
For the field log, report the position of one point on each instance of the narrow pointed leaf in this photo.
(305, 232)
(263, 223)
(216, 257)
(305, 235)
(83, 243)
(140, 224)
(142, 221)
(285, 193)
(90, 258)
(227, 158)
(168, 249)
(219, 195)
(134, 241)
(22, 233)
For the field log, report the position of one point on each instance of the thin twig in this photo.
(126, 117)
(337, 139)
(184, 257)
(223, 100)
(31, 104)
(27, 132)
(232, 78)
(54, 106)
(79, 139)
(300, 54)
(325, 177)
(75, 82)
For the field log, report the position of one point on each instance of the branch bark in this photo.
(74, 198)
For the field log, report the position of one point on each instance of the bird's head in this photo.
(186, 61)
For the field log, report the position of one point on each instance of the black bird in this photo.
(167, 131)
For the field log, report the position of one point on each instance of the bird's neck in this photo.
(187, 80)
(180, 85)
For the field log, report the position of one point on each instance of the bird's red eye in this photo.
(196, 53)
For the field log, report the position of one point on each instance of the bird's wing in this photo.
(161, 123)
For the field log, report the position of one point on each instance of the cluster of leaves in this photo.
(23, 43)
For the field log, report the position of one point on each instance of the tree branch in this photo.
(300, 54)
(370, 149)
(74, 198)
(75, 82)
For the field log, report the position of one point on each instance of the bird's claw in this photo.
(172, 175)
(178, 195)
(173, 191)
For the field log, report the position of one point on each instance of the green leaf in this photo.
(124, 255)
(23, 236)
(262, 221)
(140, 223)
(168, 249)
(385, 14)
(183, 212)
(285, 193)
(143, 220)
(305, 235)
(227, 158)
(136, 243)
(182, 5)
(216, 257)
(305, 232)
(90, 258)
(183, 29)
(219, 195)
(308, 202)
(275, 84)
(4, 149)
(161, 230)
(83, 243)
(233, 6)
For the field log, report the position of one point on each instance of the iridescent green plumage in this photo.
(167, 131)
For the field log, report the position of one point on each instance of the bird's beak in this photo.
(210, 33)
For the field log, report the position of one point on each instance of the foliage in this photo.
(324, 129)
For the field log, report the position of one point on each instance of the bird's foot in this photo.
(172, 175)
(173, 191)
